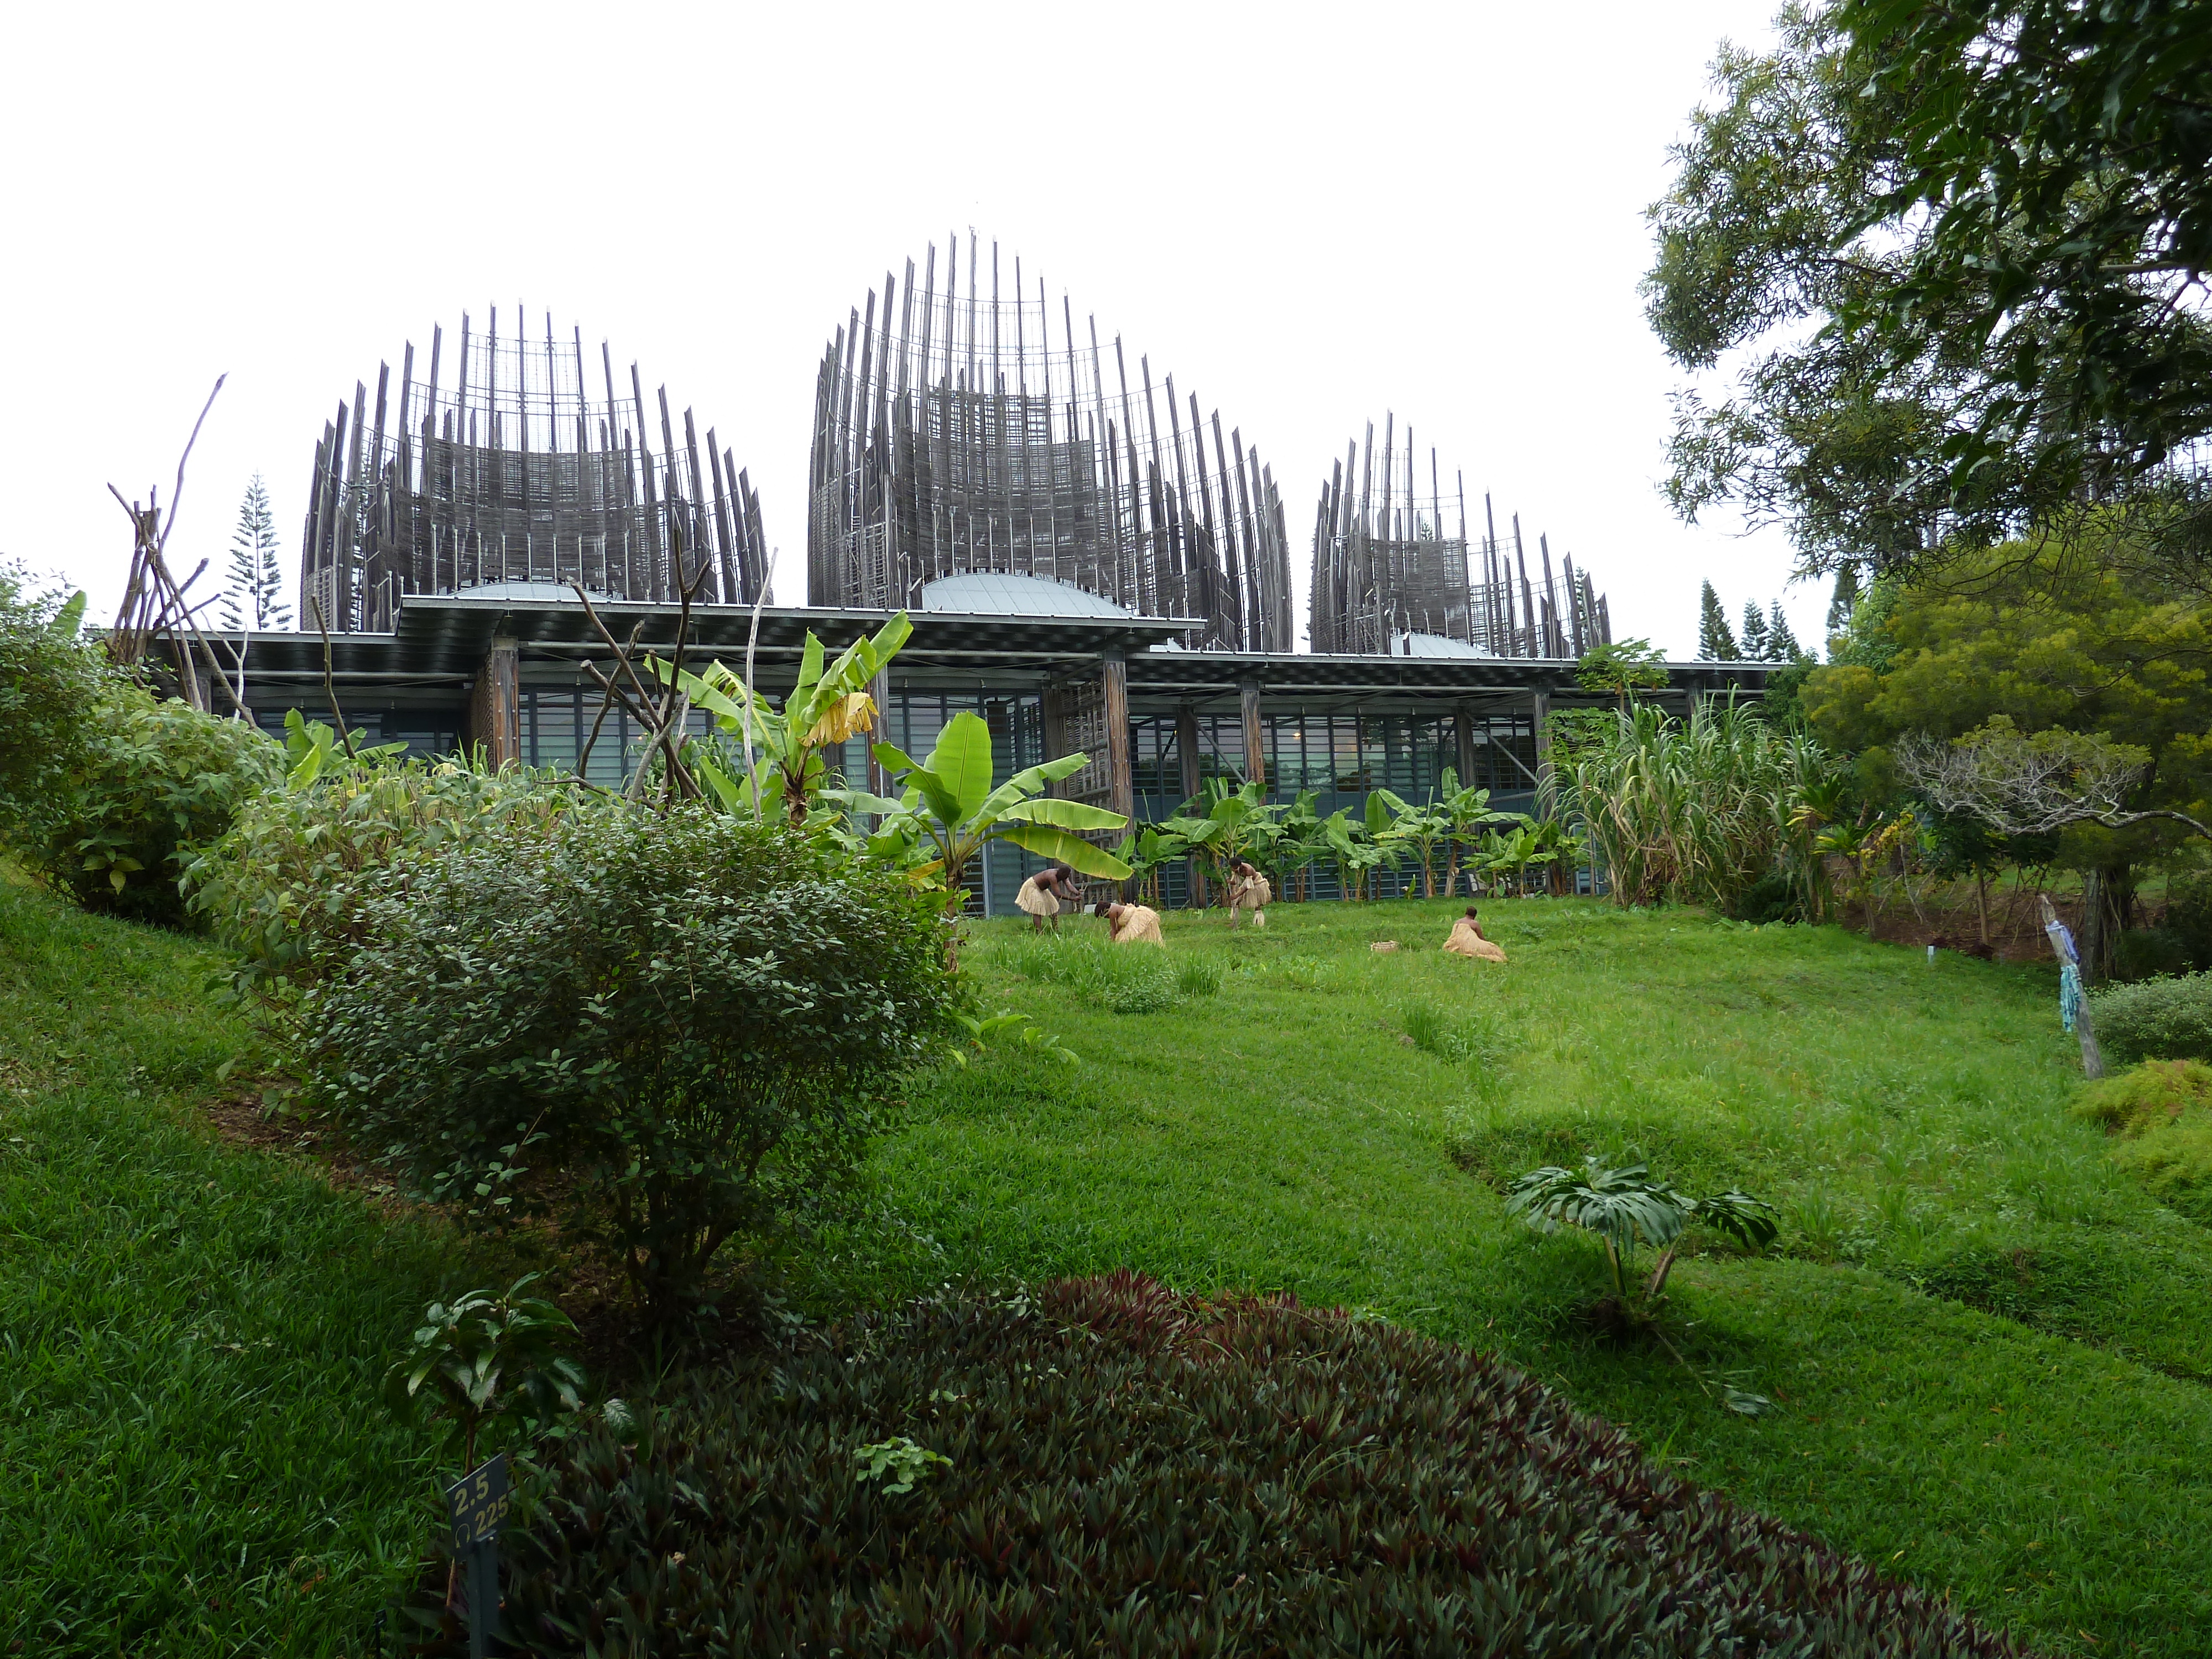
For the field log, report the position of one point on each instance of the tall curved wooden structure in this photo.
(510, 460)
(962, 429)
(1396, 571)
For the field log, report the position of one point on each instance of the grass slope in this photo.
(1986, 1345)
(192, 1455)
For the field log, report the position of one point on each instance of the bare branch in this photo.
(2019, 785)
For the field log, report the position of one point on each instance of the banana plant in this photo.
(1234, 825)
(1144, 852)
(948, 807)
(1299, 840)
(783, 747)
(1512, 852)
(1419, 827)
(1466, 809)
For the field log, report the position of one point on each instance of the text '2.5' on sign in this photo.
(478, 1502)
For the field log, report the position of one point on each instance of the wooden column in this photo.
(1186, 746)
(1541, 723)
(879, 689)
(1256, 735)
(1463, 743)
(1119, 771)
(494, 708)
(1053, 705)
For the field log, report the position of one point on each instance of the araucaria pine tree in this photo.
(254, 597)
(1716, 640)
(1755, 634)
(1845, 600)
(1781, 644)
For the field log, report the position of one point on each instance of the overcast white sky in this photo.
(1309, 215)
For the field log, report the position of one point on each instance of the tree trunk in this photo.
(2108, 906)
(1982, 903)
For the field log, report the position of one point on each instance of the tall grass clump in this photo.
(1696, 810)
(1128, 980)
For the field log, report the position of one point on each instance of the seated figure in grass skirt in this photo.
(1044, 893)
(1130, 924)
(1247, 891)
(1467, 939)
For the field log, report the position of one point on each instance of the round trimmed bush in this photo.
(2156, 1019)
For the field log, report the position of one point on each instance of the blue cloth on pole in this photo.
(2070, 994)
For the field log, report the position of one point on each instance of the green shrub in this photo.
(1127, 979)
(1130, 1471)
(2160, 1114)
(50, 678)
(156, 781)
(672, 1033)
(283, 888)
(2156, 1019)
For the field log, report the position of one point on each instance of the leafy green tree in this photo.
(255, 596)
(2055, 643)
(1716, 640)
(1959, 249)
(1622, 668)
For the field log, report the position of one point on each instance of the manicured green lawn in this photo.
(193, 1458)
(1988, 1349)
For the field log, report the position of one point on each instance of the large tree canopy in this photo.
(1956, 255)
(2050, 642)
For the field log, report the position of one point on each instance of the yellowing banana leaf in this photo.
(1048, 841)
(1066, 814)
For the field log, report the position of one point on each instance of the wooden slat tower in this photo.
(507, 461)
(962, 427)
(1388, 576)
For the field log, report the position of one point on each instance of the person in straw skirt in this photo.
(1044, 893)
(1247, 891)
(1467, 939)
(1131, 924)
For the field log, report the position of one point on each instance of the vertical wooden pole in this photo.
(1463, 742)
(1121, 773)
(495, 708)
(1187, 748)
(1540, 716)
(1256, 735)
